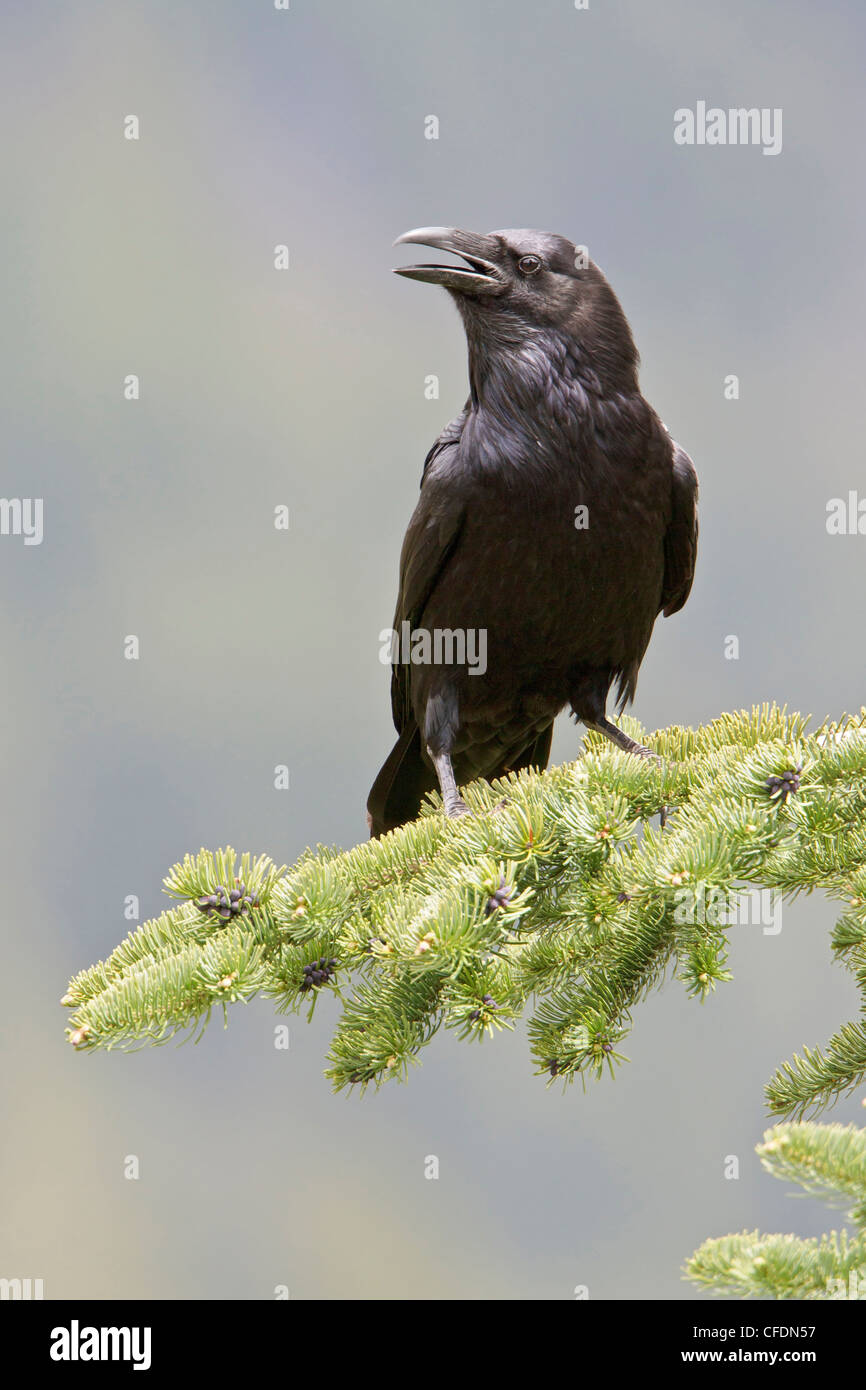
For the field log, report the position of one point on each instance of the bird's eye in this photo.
(529, 265)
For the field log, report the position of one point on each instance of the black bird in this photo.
(557, 519)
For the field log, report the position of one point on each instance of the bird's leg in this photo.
(602, 725)
(454, 803)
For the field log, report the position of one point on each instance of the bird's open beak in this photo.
(480, 275)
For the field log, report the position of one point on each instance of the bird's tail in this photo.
(402, 784)
(406, 778)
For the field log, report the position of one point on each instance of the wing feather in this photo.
(681, 537)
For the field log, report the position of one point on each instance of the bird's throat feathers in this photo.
(561, 374)
(542, 385)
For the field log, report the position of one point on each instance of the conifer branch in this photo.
(826, 1159)
(559, 888)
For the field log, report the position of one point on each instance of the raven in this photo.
(557, 518)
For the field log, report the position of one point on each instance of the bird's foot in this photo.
(452, 801)
(622, 740)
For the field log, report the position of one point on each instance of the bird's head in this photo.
(515, 285)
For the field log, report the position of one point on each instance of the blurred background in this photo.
(305, 387)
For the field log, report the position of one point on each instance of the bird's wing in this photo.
(681, 537)
(430, 539)
(450, 435)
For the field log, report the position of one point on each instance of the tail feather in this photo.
(406, 778)
(402, 784)
(535, 754)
